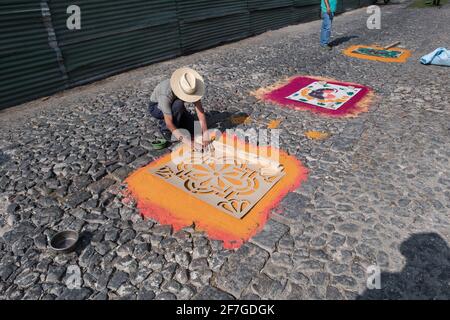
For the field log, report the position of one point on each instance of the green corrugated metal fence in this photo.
(351, 4)
(205, 23)
(40, 55)
(115, 35)
(28, 65)
(306, 10)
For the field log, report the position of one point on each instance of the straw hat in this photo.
(187, 85)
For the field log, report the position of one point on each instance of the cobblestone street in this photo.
(378, 190)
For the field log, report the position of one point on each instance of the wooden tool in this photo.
(392, 45)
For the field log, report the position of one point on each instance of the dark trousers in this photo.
(181, 118)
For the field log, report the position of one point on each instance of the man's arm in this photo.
(202, 118)
(327, 4)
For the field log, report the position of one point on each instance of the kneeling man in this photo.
(167, 105)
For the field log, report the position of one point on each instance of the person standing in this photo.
(328, 10)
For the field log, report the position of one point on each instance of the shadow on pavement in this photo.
(225, 120)
(84, 241)
(426, 274)
(341, 40)
(3, 157)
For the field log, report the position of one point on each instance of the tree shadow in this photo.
(425, 276)
(341, 40)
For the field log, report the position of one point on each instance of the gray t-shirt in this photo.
(164, 96)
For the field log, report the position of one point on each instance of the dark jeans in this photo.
(181, 118)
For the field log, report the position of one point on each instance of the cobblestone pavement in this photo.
(378, 190)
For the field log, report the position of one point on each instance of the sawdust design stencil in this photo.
(377, 53)
(231, 184)
(229, 199)
(319, 95)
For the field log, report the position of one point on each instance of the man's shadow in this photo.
(225, 120)
(338, 41)
(216, 120)
(425, 276)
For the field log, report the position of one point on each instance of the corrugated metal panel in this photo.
(28, 65)
(351, 4)
(196, 10)
(118, 35)
(108, 17)
(301, 3)
(364, 3)
(211, 32)
(204, 24)
(307, 13)
(115, 36)
(340, 6)
(306, 10)
(254, 5)
(271, 19)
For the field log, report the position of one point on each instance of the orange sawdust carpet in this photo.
(161, 201)
(377, 53)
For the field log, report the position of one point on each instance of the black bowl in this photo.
(64, 241)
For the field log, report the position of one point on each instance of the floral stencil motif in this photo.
(165, 172)
(218, 178)
(233, 185)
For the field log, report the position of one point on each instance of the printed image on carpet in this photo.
(319, 95)
(377, 53)
(229, 200)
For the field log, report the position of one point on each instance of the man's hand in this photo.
(206, 139)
